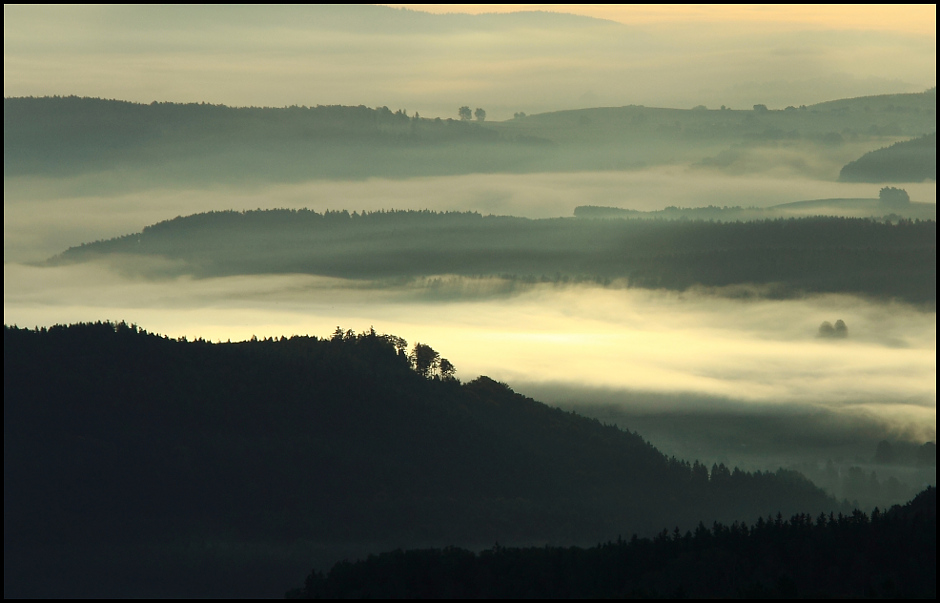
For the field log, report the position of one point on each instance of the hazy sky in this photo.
(284, 55)
(911, 18)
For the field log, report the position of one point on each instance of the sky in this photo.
(917, 19)
(656, 56)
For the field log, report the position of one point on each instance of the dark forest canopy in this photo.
(185, 142)
(906, 161)
(115, 436)
(888, 554)
(795, 256)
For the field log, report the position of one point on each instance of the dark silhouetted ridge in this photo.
(884, 555)
(114, 437)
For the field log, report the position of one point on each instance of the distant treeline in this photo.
(115, 435)
(830, 123)
(906, 453)
(170, 143)
(886, 555)
(881, 209)
(791, 256)
(907, 161)
(55, 134)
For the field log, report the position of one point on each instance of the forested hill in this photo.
(794, 255)
(72, 134)
(168, 143)
(906, 161)
(887, 555)
(116, 436)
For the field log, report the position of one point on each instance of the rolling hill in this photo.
(792, 256)
(120, 440)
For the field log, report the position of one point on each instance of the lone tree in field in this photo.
(480, 114)
(464, 113)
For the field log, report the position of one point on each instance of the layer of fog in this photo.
(278, 56)
(757, 354)
(45, 216)
(834, 447)
(699, 375)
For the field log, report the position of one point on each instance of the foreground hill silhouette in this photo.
(819, 254)
(887, 555)
(122, 449)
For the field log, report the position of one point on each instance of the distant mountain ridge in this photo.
(368, 19)
(75, 134)
(793, 256)
(204, 142)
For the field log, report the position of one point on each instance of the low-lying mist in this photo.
(45, 216)
(715, 375)
(565, 342)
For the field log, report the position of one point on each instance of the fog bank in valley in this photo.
(466, 178)
(565, 343)
(647, 353)
(45, 216)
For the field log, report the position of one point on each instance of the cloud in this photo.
(737, 433)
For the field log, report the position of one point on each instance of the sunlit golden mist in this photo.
(763, 352)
